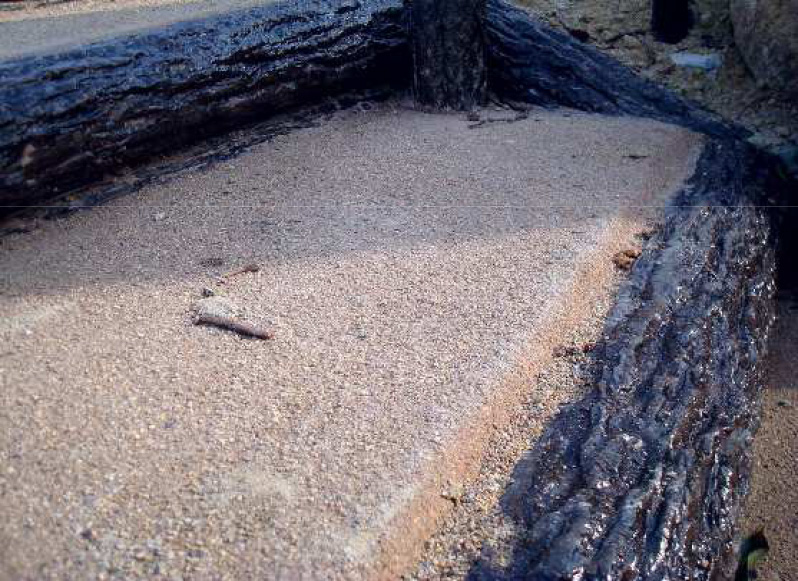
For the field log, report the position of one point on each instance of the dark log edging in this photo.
(192, 158)
(531, 62)
(448, 48)
(647, 472)
(643, 478)
(67, 119)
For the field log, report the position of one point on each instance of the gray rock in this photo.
(216, 306)
(706, 62)
(765, 140)
(766, 33)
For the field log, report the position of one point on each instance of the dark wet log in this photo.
(68, 119)
(530, 62)
(71, 119)
(647, 472)
(448, 49)
(670, 20)
(643, 478)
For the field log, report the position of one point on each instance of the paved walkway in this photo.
(417, 274)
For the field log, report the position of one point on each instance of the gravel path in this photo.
(478, 520)
(772, 504)
(418, 275)
(30, 28)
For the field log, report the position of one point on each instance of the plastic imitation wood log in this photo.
(68, 119)
(532, 63)
(643, 478)
(448, 50)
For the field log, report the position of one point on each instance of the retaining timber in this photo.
(643, 478)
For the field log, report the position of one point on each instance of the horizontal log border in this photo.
(69, 120)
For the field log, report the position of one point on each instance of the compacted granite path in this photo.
(28, 29)
(417, 271)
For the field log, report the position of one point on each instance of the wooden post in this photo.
(448, 47)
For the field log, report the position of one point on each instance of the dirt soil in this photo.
(478, 522)
(16, 10)
(31, 28)
(621, 28)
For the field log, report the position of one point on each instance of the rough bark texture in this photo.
(670, 20)
(65, 120)
(643, 475)
(68, 120)
(448, 53)
(643, 478)
(532, 63)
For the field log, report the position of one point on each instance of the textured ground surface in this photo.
(31, 29)
(622, 29)
(772, 504)
(477, 519)
(418, 274)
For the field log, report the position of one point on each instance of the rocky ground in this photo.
(622, 28)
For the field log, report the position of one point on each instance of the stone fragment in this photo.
(705, 62)
(766, 35)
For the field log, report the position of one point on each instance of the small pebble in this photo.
(454, 492)
(214, 306)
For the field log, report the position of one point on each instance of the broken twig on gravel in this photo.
(240, 327)
(248, 268)
(519, 117)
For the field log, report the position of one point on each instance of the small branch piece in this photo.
(244, 269)
(520, 116)
(240, 327)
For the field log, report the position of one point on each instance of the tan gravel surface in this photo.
(29, 28)
(418, 275)
(478, 522)
(772, 504)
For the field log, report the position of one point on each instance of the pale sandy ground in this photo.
(418, 275)
(772, 504)
(478, 524)
(29, 28)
